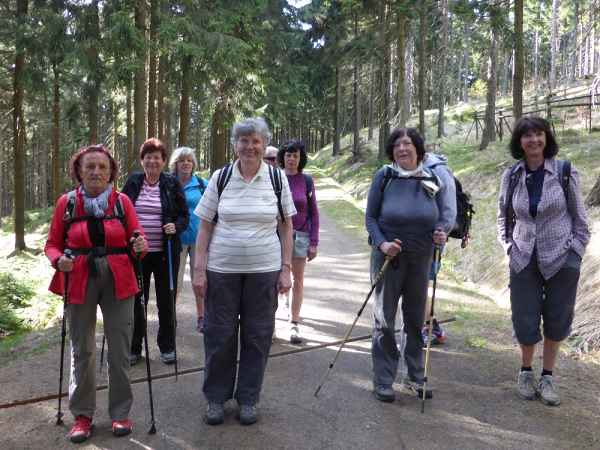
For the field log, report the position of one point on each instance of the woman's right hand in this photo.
(64, 264)
(199, 282)
(391, 248)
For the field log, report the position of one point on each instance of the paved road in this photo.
(474, 405)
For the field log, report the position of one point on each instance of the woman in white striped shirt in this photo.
(241, 264)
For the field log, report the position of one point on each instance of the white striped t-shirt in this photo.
(244, 239)
(149, 212)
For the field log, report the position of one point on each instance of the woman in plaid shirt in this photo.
(543, 228)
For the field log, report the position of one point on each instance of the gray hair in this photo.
(252, 125)
(179, 153)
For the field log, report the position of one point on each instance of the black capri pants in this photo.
(533, 298)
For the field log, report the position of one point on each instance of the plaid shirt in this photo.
(554, 231)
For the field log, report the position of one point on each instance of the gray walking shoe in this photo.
(547, 391)
(248, 414)
(295, 337)
(417, 389)
(215, 413)
(526, 385)
(168, 357)
(384, 393)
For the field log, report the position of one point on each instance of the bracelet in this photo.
(289, 266)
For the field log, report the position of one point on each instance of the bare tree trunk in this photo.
(184, 105)
(442, 52)
(371, 113)
(384, 115)
(409, 78)
(422, 70)
(131, 156)
(19, 129)
(519, 62)
(154, 18)
(219, 132)
(489, 131)
(139, 90)
(56, 178)
(95, 71)
(593, 198)
(161, 92)
(336, 113)
(553, 46)
(401, 67)
(355, 103)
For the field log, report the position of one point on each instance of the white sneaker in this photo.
(295, 335)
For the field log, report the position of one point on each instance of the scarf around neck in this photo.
(418, 172)
(95, 206)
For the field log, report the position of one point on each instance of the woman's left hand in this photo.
(312, 252)
(169, 228)
(138, 243)
(439, 237)
(285, 280)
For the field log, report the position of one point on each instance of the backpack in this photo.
(309, 193)
(274, 175)
(464, 207)
(509, 212)
(71, 217)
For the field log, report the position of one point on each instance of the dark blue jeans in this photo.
(238, 305)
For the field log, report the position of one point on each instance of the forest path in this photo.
(474, 407)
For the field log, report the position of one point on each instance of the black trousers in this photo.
(156, 263)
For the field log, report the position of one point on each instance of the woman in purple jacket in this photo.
(543, 228)
(292, 158)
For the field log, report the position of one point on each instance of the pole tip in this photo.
(152, 430)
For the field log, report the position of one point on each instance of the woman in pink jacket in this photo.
(93, 236)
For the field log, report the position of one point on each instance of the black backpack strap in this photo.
(69, 215)
(222, 180)
(509, 212)
(275, 176)
(387, 176)
(201, 185)
(565, 178)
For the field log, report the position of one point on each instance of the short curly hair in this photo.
(523, 126)
(414, 136)
(153, 145)
(293, 147)
(75, 162)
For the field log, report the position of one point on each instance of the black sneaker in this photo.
(215, 414)
(384, 393)
(134, 358)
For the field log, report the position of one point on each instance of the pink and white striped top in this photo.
(149, 211)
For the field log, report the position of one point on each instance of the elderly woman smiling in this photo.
(240, 266)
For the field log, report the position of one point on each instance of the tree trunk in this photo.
(401, 66)
(384, 115)
(154, 24)
(336, 113)
(553, 46)
(131, 156)
(184, 105)
(422, 70)
(355, 103)
(442, 52)
(219, 133)
(519, 62)
(56, 178)
(160, 96)
(408, 78)
(489, 131)
(593, 198)
(95, 71)
(19, 128)
(139, 89)
(371, 101)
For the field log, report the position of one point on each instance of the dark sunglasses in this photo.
(270, 158)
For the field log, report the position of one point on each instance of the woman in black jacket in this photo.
(162, 212)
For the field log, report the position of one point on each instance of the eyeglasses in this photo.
(270, 158)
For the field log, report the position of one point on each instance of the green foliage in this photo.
(478, 89)
(14, 294)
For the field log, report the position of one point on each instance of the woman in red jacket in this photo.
(99, 230)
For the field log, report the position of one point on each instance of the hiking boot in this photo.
(417, 388)
(215, 413)
(248, 414)
(384, 393)
(134, 358)
(526, 385)
(200, 325)
(295, 335)
(167, 357)
(122, 427)
(81, 430)
(547, 391)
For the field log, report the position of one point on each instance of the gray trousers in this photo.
(407, 278)
(118, 328)
(238, 305)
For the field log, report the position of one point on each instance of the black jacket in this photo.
(172, 199)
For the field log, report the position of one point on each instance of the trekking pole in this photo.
(437, 258)
(63, 336)
(378, 278)
(140, 280)
(172, 289)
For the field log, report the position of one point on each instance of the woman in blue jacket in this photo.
(182, 164)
